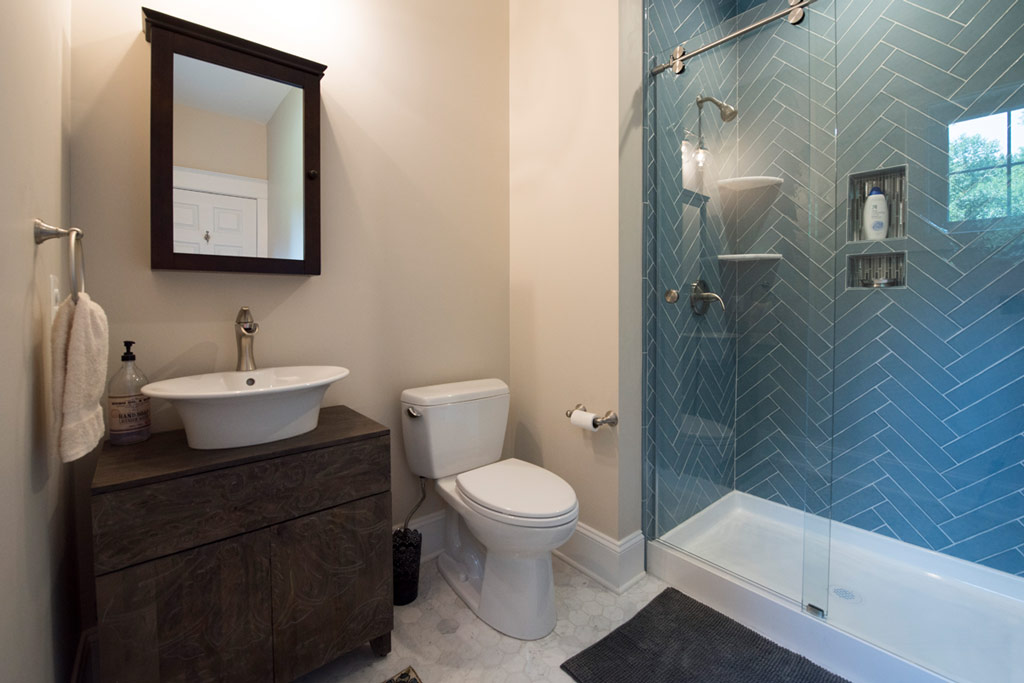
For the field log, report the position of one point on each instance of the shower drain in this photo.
(845, 594)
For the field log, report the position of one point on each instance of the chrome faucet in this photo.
(245, 329)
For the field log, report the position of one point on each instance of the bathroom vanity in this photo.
(248, 564)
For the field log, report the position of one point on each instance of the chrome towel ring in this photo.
(76, 256)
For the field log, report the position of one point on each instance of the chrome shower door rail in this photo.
(794, 14)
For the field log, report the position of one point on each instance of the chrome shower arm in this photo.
(727, 111)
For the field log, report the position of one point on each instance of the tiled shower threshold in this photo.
(957, 619)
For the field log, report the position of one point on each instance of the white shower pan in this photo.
(890, 603)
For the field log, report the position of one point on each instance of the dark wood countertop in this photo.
(166, 455)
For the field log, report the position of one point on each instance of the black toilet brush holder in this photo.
(406, 548)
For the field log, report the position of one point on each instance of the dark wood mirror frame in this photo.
(169, 36)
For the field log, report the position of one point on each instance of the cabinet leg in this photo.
(381, 645)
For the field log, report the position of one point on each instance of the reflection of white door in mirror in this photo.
(219, 214)
(216, 224)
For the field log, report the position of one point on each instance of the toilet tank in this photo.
(461, 426)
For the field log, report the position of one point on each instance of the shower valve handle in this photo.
(700, 298)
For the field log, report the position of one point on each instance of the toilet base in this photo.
(514, 593)
(516, 597)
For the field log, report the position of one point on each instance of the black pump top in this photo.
(128, 355)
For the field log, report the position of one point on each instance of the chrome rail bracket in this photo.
(796, 15)
(678, 66)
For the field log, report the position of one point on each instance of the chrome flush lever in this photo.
(700, 298)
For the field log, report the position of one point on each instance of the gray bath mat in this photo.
(675, 638)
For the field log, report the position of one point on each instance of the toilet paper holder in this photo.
(610, 418)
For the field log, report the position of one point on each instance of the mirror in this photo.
(237, 157)
(235, 153)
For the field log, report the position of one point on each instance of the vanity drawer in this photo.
(139, 524)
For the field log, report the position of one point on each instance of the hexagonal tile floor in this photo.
(446, 643)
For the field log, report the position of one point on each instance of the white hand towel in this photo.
(84, 377)
(60, 333)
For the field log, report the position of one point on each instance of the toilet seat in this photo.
(518, 493)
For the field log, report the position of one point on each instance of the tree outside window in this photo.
(986, 167)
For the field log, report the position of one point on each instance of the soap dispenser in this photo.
(127, 406)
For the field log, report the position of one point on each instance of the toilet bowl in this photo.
(503, 518)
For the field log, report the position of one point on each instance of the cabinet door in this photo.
(199, 615)
(331, 583)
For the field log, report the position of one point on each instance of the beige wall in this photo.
(285, 178)
(414, 201)
(34, 640)
(571, 146)
(215, 142)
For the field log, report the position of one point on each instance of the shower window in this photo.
(986, 167)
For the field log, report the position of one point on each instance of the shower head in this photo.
(727, 110)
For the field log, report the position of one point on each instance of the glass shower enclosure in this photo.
(845, 427)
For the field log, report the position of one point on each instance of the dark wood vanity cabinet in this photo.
(247, 564)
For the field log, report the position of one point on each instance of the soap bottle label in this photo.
(129, 414)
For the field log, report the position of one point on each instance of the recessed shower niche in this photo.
(893, 184)
(877, 271)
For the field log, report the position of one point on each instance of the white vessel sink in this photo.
(232, 409)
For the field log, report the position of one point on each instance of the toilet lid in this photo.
(517, 488)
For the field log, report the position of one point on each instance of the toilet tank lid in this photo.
(455, 392)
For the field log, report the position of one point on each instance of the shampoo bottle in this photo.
(875, 224)
(127, 406)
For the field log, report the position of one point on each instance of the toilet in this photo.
(504, 517)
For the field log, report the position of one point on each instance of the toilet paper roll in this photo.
(583, 420)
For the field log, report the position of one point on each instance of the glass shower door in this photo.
(743, 395)
(695, 359)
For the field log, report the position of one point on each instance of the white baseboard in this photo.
(616, 565)
(432, 528)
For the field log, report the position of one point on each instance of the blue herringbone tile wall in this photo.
(900, 411)
(929, 383)
(784, 321)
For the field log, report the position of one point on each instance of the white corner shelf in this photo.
(754, 182)
(749, 257)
